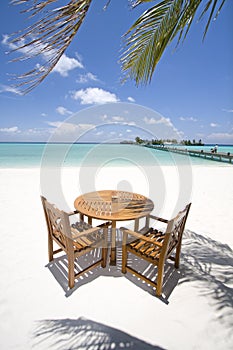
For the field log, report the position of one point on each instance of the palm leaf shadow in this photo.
(210, 264)
(206, 262)
(84, 334)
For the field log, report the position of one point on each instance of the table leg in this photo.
(113, 245)
(89, 220)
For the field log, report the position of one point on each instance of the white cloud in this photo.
(41, 132)
(104, 117)
(28, 52)
(55, 124)
(64, 128)
(150, 121)
(213, 125)
(8, 88)
(131, 99)
(220, 138)
(5, 38)
(94, 96)
(118, 119)
(131, 123)
(227, 110)
(85, 78)
(165, 121)
(200, 135)
(11, 130)
(191, 119)
(12, 46)
(43, 115)
(66, 64)
(163, 127)
(162, 120)
(63, 111)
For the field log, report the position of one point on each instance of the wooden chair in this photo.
(154, 245)
(74, 239)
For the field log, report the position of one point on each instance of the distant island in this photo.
(163, 142)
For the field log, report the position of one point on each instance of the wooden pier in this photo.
(217, 156)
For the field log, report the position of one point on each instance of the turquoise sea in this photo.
(27, 155)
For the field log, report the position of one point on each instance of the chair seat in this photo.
(154, 245)
(81, 226)
(74, 239)
(148, 249)
(88, 240)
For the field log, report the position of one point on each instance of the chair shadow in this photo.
(59, 269)
(84, 334)
(207, 262)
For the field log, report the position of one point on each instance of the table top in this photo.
(113, 205)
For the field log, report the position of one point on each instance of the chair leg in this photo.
(71, 271)
(71, 279)
(105, 247)
(104, 257)
(50, 248)
(160, 280)
(124, 258)
(177, 256)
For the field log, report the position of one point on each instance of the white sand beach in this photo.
(108, 310)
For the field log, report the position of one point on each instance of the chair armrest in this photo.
(77, 234)
(73, 212)
(158, 218)
(139, 236)
(105, 224)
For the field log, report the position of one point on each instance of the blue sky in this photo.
(190, 96)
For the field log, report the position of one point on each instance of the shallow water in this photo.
(27, 155)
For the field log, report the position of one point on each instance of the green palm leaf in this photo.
(145, 42)
(49, 36)
(149, 36)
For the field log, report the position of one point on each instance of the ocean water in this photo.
(27, 155)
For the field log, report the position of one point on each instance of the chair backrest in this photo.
(174, 231)
(57, 222)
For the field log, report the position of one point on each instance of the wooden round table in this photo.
(111, 205)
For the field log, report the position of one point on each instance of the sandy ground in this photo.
(108, 310)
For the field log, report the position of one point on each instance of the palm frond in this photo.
(147, 39)
(135, 3)
(149, 36)
(214, 4)
(49, 36)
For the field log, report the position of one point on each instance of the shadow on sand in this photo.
(84, 334)
(204, 261)
(209, 264)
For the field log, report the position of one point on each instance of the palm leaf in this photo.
(214, 4)
(135, 3)
(149, 36)
(147, 39)
(49, 36)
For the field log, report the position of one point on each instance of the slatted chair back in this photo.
(173, 236)
(58, 221)
(154, 245)
(44, 200)
(75, 240)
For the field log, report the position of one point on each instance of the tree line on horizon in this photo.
(161, 142)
